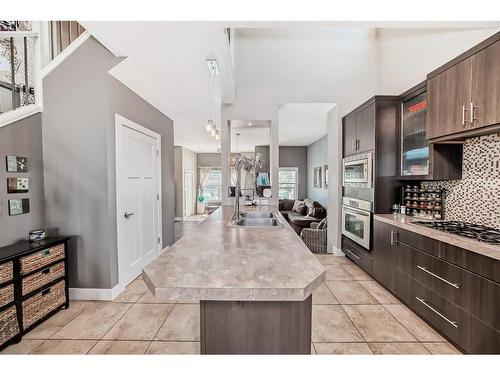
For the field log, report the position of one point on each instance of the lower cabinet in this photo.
(357, 254)
(461, 304)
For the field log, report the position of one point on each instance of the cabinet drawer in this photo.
(9, 327)
(440, 313)
(473, 293)
(42, 277)
(41, 259)
(6, 272)
(43, 303)
(6, 295)
(418, 241)
(356, 253)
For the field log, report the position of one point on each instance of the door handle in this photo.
(128, 214)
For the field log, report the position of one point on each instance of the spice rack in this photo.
(425, 203)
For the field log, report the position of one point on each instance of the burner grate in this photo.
(475, 231)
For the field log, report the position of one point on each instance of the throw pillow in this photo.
(310, 206)
(302, 210)
(296, 205)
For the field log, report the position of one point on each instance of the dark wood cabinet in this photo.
(384, 253)
(464, 94)
(357, 254)
(485, 107)
(453, 289)
(359, 130)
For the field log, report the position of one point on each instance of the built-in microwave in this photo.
(357, 170)
(356, 220)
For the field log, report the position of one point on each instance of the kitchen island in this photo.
(254, 284)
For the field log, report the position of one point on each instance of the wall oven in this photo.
(356, 220)
(357, 170)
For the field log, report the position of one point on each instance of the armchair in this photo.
(315, 237)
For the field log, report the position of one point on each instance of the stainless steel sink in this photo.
(257, 215)
(257, 220)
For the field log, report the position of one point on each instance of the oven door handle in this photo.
(357, 211)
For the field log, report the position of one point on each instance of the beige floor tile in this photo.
(313, 349)
(336, 272)
(147, 297)
(332, 259)
(93, 323)
(350, 292)
(174, 347)
(132, 292)
(120, 347)
(441, 348)
(356, 272)
(323, 296)
(397, 348)
(331, 324)
(376, 324)
(417, 327)
(59, 320)
(342, 348)
(24, 347)
(379, 293)
(65, 347)
(141, 322)
(182, 324)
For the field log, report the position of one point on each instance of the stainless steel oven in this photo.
(357, 170)
(356, 220)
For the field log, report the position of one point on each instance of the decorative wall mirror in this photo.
(317, 177)
(325, 176)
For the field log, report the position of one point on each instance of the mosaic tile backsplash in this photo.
(475, 198)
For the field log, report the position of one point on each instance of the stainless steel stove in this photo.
(475, 231)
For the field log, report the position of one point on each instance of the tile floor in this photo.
(352, 314)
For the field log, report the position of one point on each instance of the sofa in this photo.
(301, 214)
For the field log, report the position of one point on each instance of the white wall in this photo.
(405, 56)
(184, 159)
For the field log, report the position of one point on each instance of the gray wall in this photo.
(179, 209)
(208, 159)
(80, 103)
(22, 138)
(317, 156)
(296, 156)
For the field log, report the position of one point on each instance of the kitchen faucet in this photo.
(248, 164)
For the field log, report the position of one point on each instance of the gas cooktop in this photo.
(474, 231)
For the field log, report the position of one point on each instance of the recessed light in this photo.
(250, 123)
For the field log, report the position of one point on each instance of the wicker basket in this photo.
(9, 326)
(6, 272)
(43, 277)
(6, 295)
(41, 259)
(41, 304)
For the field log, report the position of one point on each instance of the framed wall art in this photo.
(17, 185)
(16, 163)
(317, 177)
(325, 176)
(19, 206)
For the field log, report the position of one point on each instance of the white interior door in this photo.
(188, 193)
(138, 198)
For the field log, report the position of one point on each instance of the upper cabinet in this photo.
(359, 130)
(464, 95)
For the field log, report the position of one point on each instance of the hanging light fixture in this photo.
(214, 71)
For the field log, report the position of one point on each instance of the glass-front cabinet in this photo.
(414, 145)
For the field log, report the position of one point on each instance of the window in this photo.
(288, 184)
(212, 190)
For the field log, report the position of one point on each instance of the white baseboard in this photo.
(95, 294)
(336, 252)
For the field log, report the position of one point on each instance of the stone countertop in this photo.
(406, 222)
(217, 262)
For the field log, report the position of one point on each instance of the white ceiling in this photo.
(301, 124)
(166, 65)
(251, 134)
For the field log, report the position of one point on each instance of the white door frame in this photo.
(185, 190)
(121, 122)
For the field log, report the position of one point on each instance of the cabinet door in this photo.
(486, 86)
(384, 254)
(449, 100)
(365, 129)
(349, 135)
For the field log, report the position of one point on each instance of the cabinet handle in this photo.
(454, 324)
(472, 113)
(464, 113)
(354, 255)
(357, 144)
(393, 237)
(438, 277)
(353, 145)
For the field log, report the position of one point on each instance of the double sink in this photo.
(257, 219)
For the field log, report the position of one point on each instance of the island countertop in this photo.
(218, 262)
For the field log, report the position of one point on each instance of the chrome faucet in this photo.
(248, 164)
